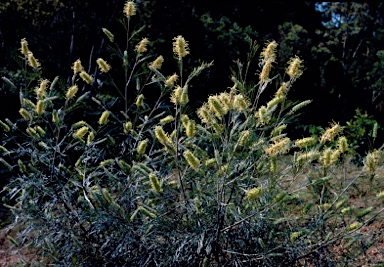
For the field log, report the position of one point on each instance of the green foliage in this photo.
(99, 181)
(361, 132)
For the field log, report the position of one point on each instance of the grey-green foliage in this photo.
(218, 191)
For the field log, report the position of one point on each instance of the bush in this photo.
(98, 181)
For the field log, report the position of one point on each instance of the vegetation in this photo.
(114, 167)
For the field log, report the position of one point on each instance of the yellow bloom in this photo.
(129, 9)
(80, 132)
(77, 67)
(71, 91)
(192, 160)
(110, 36)
(171, 80)
(191, 128)
(32, 61)
(180, 47)
(104, 117)
(240, 102)
(281, 146)
(295, 68)
(25, 114)
(141, 47)
(140, 100)
(90, 138)
(330, 133)
(24, 47)
(86, 77)
(157, 63)
(216, 106)
(42, 89)
(103, 66)
(40, 107)
(176, 95)
(142, 147)
(254, 193)
(269, 52)
(167, 119)
(264, 75)
(305, 142)
(342, 144)
(155, 183)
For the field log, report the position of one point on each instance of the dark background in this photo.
(341, 44)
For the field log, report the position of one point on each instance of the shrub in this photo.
(147, 184)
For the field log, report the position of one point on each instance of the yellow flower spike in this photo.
(25, 114)
(296, 235)
(342, 144)
(203, 113)
(171, 80)
(184, 96)
(184, 120)
(240, 102)
(281, 146)
(269, 52)
(4, 126)
(161, 136)
(275, 101)
(264, 74)
(371, 161)
(142, 147)
(305, 142)
(192, 160)
(335, 156)
(41, 91)
(80, 133)
(308, 156)
(110, 36)
(104, 117)
(278, 130)
(326, 157)
(90, 138)
(331, 133)
(77, 67)
(254, 193)
(155, 183)
(127, 127)
(295, 68)
(129, 9)
(32, 132)
(55, 116)
(40, 107)
(86, 77)
(141, 47)
(225, 98)
(243, 138)
(167, 119)
(103, 66)
(210, 162)
(176, 95)
(283, 90)
(71, 92)
(156, 64)
(354, 226)
(380, 195)
(140, 101)
(32, 61)
(191, 128)
(180, 47)
(39, 130)
(216, 106)
(24, 47)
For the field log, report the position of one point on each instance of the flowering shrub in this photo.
(155, 185)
